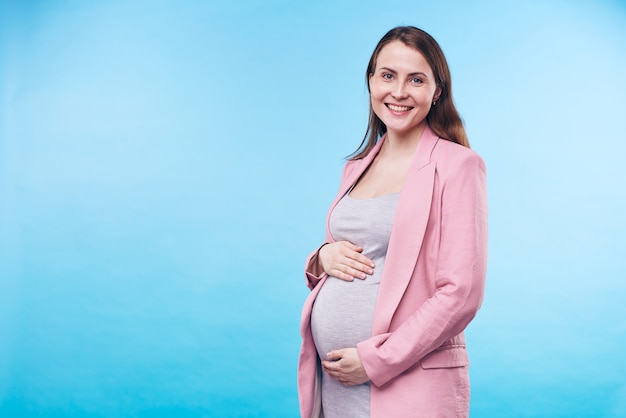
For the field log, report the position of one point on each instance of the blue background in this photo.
(166, 166)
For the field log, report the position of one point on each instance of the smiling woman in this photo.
(402, 271)
(402, 89)
(402, 48)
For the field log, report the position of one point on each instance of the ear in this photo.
(369, 82)
(437, 94)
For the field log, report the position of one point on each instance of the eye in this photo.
(415, 80)
(387, 76)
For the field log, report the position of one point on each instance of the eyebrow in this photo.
(410, 74)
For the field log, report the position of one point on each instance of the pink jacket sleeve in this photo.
(312, 272)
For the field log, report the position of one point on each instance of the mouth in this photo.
(396, 108)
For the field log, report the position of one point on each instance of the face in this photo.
(402, 89)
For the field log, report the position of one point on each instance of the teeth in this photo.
(399, 108)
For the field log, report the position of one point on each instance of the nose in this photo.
(398, 91)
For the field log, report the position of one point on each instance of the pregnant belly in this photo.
(342, 314)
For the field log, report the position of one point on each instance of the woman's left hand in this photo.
(345, 366)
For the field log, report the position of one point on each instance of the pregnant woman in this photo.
(402, 269)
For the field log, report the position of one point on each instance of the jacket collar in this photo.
(407, 232)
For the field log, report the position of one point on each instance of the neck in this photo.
(403, 143)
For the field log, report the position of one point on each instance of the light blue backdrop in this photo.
(165, 167)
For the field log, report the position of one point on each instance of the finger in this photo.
(361, 259)
(356, 274)
(349, 273)
(334, 355)
(353, 269)
(332, 368)
(341, 275)
(356, 256)
(358, 266)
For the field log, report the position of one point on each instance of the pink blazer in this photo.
(431, 288)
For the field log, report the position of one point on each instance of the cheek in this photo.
(376, 96)
(434, 93)
(377, 91)
(377, 105)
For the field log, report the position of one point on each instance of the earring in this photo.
(434, 102)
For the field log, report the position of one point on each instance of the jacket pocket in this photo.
(446, 356)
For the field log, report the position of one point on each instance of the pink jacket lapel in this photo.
(407, 232)
(408, 228)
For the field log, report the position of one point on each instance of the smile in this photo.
(399, 108)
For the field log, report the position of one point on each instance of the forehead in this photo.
(400, 57)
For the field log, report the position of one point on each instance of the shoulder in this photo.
(361, 163)
(353, 165)
(451, 156)
(349, 167)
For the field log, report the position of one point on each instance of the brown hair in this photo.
(443, 117)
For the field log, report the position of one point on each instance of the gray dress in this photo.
(343, 311)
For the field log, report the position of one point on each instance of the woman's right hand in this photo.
(343, 260)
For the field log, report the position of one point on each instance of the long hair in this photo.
(443, 117)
